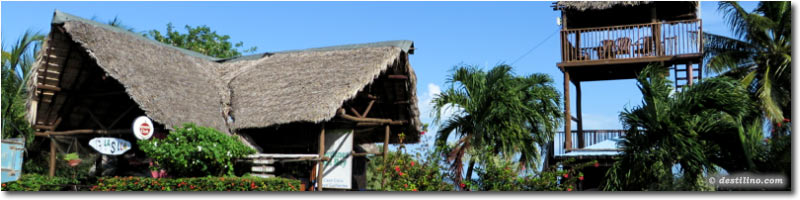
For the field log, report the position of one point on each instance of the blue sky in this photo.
(445, 34)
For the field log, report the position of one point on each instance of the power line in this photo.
(534, 47)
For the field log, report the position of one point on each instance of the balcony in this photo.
(639, 43)
(590, 138)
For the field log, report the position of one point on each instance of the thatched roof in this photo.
(175, 86)
(595, 5)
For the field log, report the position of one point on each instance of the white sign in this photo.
(143, 128)
(338, 171)
(109, 145)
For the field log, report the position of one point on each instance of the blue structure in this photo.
(12, 158)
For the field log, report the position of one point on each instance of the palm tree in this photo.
(710, 124)
(759, 56)
(16, 65)
(496, 113)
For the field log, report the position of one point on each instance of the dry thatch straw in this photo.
(174, 86)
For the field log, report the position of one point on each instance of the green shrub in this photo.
(195, 151)
(195, 184)
(38, 182)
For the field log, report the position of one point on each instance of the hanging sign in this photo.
(143, 128)
(109, 145)
(338, 171)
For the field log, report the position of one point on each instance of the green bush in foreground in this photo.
(195, 184)
(38, 182)
(195, 151)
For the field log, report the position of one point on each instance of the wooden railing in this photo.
(669, 38)
(590, 137)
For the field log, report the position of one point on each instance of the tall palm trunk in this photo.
(469, 169)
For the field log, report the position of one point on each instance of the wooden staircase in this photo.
(685, 75)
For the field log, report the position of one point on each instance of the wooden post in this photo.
(689, 73)
(320, 167)
(656, 31)
(581, 143)
(52, 156)
(386, 144)
(567, 115)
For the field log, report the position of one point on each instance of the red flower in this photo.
(422, 133)
(786, 120)
(252, 185)
(779, 124)
(405, 185)
(397, 168)
(566, 175)
(4, 184)
(569, 189)
(596, 164)
(412, 163)
(463, 185)
(400, 173)
(191, 187)
(580, 178)
(414, 190)
(162, 188)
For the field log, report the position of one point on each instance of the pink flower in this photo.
(397, 168)
(412, 163)
(569, 189)
(580, 178)
(566, 175)
(596, 164)
(463, 185)
(401, 173)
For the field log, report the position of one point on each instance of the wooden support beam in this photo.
(48, 87)
(364, 119)
(83, 131)
(355, 112)
(581, 142)
(320, 167)
(369, 107)
(386, 145)
(567, 115)
(52, 157)
(690, 73)
(398, 77)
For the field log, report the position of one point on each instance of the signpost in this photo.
(338, 171)
(109, 145)
(143, 128)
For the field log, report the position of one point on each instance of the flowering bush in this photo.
(499, 175)
(404, 173)
(37, 182)
(195, 184)
(195, 151)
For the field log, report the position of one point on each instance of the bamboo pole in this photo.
(320, 167)
(52, 157)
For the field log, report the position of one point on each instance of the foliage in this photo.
(38, 182)
(71, 156)
(503, 175)
(200, 39)
(195, 184)
(710, 124)
(760, 56)
(16, 64)
(496, 113)
(193, 150)
(404, 173)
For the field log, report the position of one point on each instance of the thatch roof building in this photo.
(91, 76)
